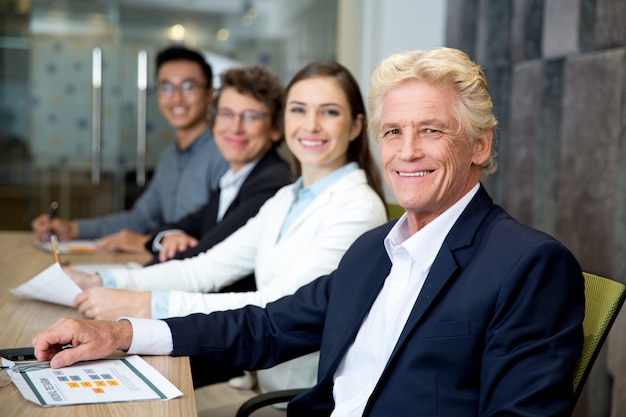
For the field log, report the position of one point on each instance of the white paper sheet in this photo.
(51, 285)
(103, 381)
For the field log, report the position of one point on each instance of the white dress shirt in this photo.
(411, 258)
(365, 360)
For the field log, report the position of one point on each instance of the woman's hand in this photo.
(110, 303)
(82, 279)
(175, 242)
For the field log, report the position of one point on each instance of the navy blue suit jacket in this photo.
(269, 175)
(495, 331)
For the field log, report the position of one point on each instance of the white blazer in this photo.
(311, 247)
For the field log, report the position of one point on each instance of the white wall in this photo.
(370, 30)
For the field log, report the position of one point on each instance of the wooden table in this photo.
(22, 318)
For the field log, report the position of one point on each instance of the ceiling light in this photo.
(223, 34)
(177, 32)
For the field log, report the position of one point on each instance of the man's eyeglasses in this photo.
(186, 88)
(26, 366)
(244, 117)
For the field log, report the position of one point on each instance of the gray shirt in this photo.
(180, 185)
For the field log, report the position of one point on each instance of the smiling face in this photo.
(242, 139)
(427, 164)
(183, 97)
(319, 126)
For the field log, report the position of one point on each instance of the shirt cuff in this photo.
(108, 279)
(150, 337)
(160, 304)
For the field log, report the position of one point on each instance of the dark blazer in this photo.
(495, 331)
(268, 176)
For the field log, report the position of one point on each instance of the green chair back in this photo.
(394, 211)
(603, 300)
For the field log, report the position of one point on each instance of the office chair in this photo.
(394, 211)
(603, 301)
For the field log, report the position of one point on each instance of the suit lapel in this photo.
(212, 209)
(445, 265)
(373, 272)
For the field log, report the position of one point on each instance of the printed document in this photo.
(51, 285)
(102, 381)
(54, 286)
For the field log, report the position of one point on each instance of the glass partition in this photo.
(79, 122)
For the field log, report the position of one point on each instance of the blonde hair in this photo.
(442, 67)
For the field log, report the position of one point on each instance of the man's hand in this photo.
(91, 340)
(110, 304)
(83, 279)
(125, 240)
(175, 242)
(43, 227)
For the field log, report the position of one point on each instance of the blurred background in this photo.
(66, 136)
(77, 100)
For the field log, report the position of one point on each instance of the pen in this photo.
(54, 243)
(52, 212)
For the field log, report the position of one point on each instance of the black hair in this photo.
(175, 53)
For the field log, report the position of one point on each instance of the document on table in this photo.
(102, 381)
(68, 246)
(54, 286)
(51, 285)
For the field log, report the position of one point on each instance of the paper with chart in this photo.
(103, 381)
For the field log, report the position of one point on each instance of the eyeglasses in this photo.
(186, 88)
(5, 379)
(245, 117)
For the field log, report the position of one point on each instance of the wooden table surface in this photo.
(22, 318)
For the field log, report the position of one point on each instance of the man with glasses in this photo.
(186, 172)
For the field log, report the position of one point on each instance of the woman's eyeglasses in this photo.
(245, 117)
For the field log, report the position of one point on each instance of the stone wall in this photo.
(557, 75)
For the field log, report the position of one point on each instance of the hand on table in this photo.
(125, 240)
(91, 340)
(83, 279)
(175, 242)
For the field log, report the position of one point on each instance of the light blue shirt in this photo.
(303, 197)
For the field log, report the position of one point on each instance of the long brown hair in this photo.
(359, 149)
